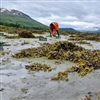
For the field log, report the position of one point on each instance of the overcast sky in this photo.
(68, 13)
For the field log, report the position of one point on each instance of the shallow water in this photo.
(20, 84)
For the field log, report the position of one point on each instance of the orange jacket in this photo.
(56, 27)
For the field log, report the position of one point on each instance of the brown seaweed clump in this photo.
(63, 50)
(61, 76)
(82, 68)
(87, 60)
(52, 51)
(92, 58)
(26, 34)
(85, 36)
(38, 67)
(66, 46)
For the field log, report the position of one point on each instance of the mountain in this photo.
(91, 30)
(68, 29)
(13, 17)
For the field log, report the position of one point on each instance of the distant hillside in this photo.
(68, 29)
(14, 17)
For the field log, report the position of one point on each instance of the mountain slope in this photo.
(17, 17)
(68, 29)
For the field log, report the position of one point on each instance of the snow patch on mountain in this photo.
(3, 9)
(12, 11)
(90, 29)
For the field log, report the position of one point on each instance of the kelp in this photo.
(87, 60)
(38, 67)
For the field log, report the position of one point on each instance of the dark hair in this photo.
(51, 25)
